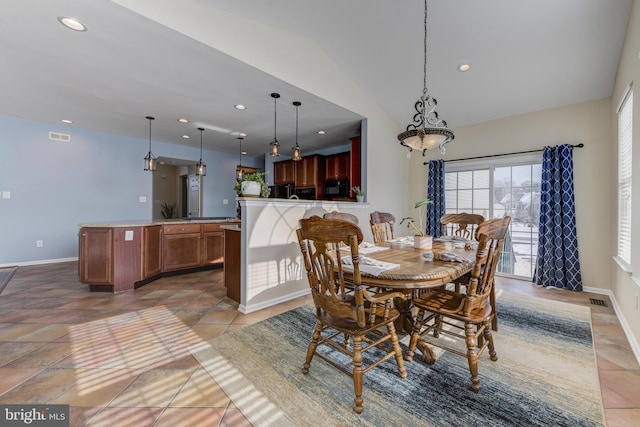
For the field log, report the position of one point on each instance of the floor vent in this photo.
(55, 136)
(595, 301)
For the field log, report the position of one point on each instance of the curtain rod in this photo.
(505, 154)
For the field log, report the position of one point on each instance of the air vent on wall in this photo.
(55, 136)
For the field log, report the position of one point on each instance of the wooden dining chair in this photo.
(341, 215)
(461, 224)
(465, 316)
(364, 318)
(382, 226)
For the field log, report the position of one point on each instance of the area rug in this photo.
(546, 374)
(6, 273)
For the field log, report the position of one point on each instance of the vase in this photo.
(359, 199)
(251, 189)
(423, 242)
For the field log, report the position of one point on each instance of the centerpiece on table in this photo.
(252, 185)
(420, 239)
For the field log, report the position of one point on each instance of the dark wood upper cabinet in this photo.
(338, 166)
(284, 172)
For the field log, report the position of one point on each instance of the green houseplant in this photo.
(359, 193)
(168, 210)
(252, 177)
(421, 239)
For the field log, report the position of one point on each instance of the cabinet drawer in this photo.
(181, 228)
(207, 228)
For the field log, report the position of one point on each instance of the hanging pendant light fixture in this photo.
(427, 130)
(275, 144)
(296, 150)
(240, 173)
(150, 160)
(201, 168)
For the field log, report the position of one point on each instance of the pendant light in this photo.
(201, 168)
(274, 145)
(150, 160)
(296, 150)
(427, 130)
(240, 173)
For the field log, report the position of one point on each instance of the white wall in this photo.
(588, 123)
(626, 285)
(54, 186)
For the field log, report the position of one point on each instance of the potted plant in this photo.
(420, 238)
(168, 210)
(359, 194)
(252, 185)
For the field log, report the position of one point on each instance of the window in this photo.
(625, 117)
(507, 186)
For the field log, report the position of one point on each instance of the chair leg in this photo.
(357, 373)
(488, 336)
(311, 350)
(437, 326)
(397, 350)
(415, 334)
(472, 355)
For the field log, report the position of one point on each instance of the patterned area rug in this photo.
(6, 273)
(546, 374)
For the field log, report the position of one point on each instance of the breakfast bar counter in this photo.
(124, 255)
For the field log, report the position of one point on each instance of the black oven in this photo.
(336, 189)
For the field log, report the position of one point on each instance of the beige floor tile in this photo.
(11, 377)
(96, 387)
(622, 417)
(153, 388)
(42, 388)
(200, 391)
(46, 355)
(125, 417)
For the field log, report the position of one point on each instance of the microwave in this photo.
(337, 188)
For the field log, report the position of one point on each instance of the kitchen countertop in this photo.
(141, 223)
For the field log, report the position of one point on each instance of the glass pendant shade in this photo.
(296, 150)
(427, 130)
(201, 168)
(275, 145)
(150, 160)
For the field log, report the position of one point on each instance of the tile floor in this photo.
(122, 360)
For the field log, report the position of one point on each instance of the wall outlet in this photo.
(225, 201)
(142, 199)
(39, 243)
(6, 194)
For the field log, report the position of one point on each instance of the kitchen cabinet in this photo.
(232, 246)
(310, 173)
(354, 166)
(95, 255)
(181, 246)
(284, 172)
(338, 166)
(151, 251)
(213, 241)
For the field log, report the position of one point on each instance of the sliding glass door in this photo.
(495, 189)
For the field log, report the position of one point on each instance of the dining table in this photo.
(413, 271)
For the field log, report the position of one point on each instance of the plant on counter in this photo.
(253, 177)
(357, 190)
(168, 210)
(419, 226)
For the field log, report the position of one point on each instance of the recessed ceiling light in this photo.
(67, 121)
(321, 132)
(72, 23)
(244, 153)
(464, 67)
(183, 120)
(242, 134)
(239, 107)
(186, 136)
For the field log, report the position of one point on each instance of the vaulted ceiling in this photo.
(525, 56)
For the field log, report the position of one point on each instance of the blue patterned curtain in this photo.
(557, 264)
(435, 193)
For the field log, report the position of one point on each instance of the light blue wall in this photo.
(54, 186)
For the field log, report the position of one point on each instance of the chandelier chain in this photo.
(424, 65)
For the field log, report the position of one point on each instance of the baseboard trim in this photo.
(38, 262)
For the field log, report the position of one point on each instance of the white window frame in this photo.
(491, 164)
(625, 166)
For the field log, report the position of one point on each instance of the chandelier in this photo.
(296, 150)
(274, 144)
(427, 130)
(201, 168)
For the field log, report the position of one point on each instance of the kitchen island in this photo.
(124, 255)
